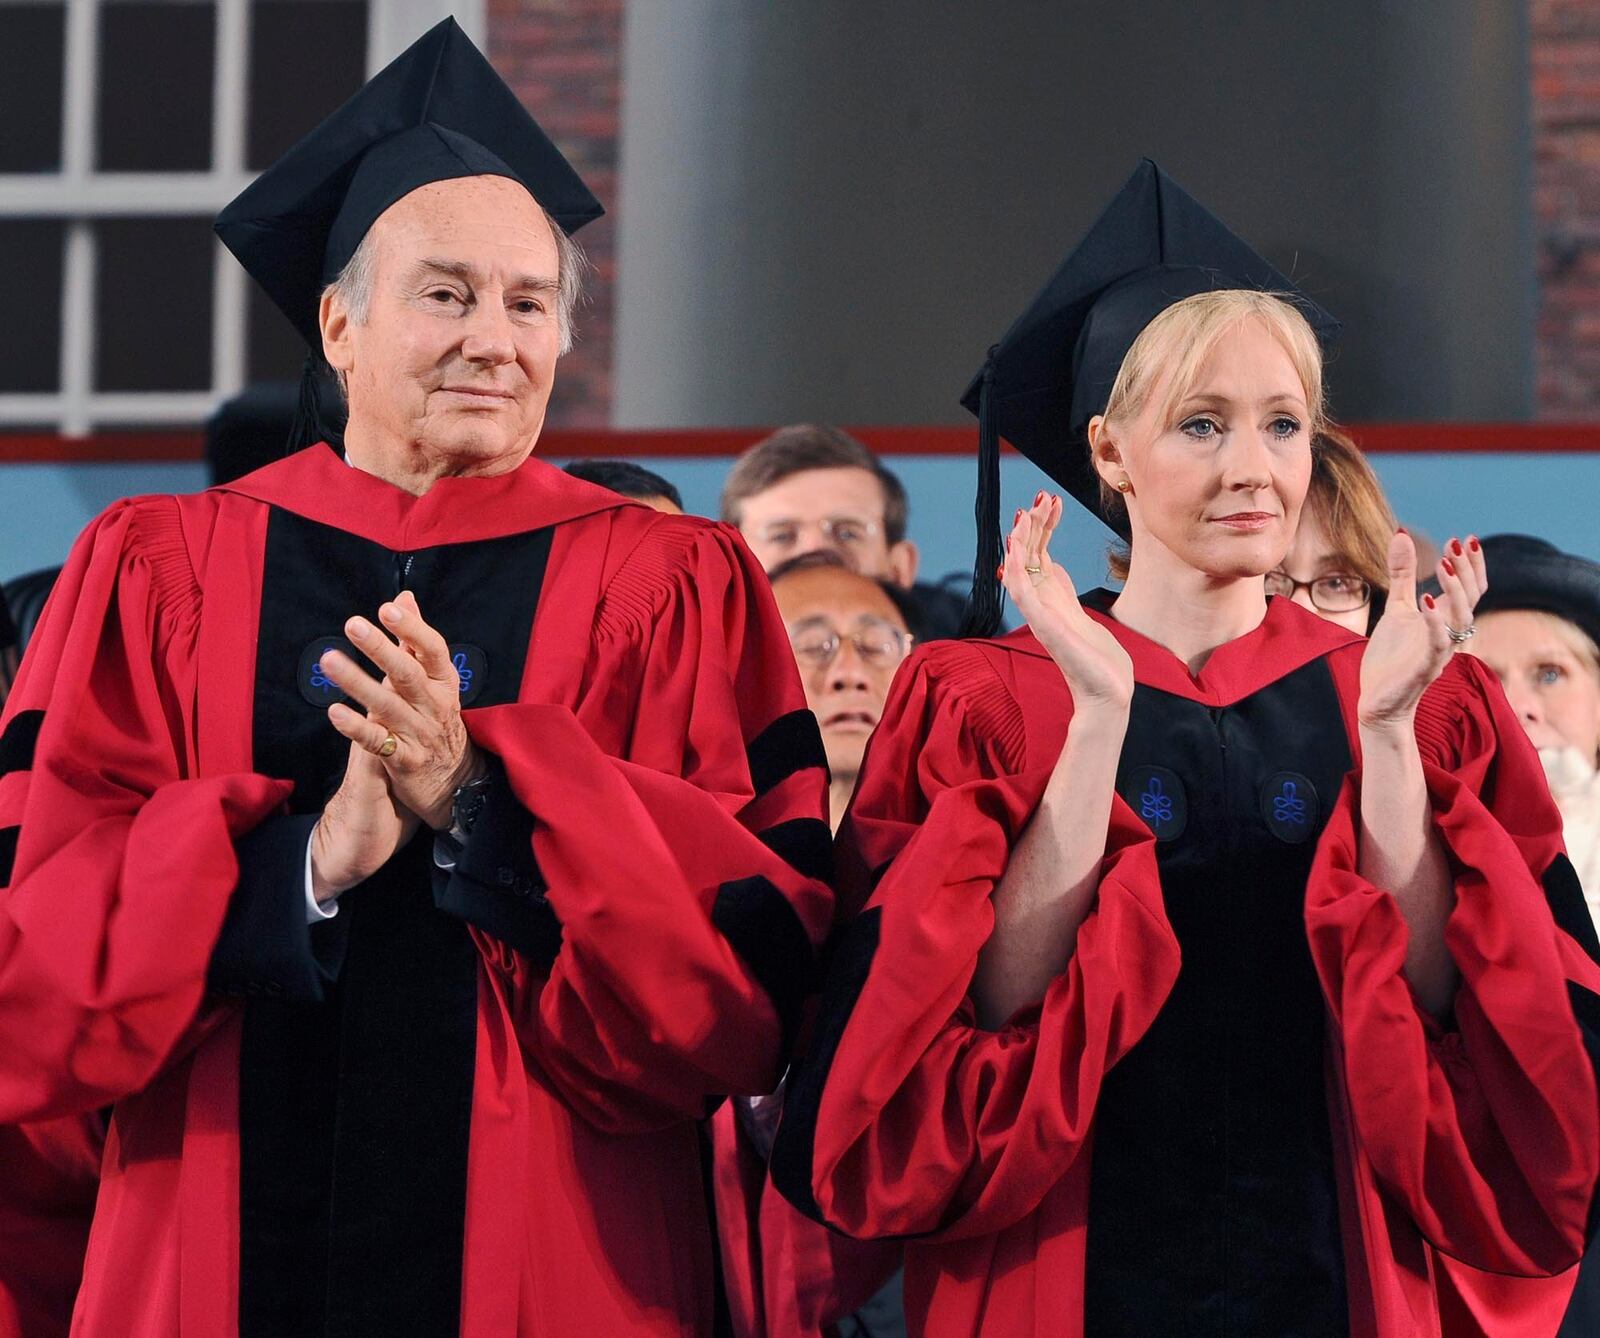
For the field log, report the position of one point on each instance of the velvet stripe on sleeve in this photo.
(680, 983)
(896, 1037)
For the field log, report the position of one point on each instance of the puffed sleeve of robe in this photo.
(117, 860)
(1486, 1131)
(906, 1117)
(47, 1193)
(687, 873)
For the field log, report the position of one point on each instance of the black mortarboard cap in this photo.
(438, 111)
(1153, 246)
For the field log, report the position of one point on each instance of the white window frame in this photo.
(77, 195)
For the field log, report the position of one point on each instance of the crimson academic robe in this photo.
(469, 1099)
(785, 1275)
(48, 1175)
(1228, 1114)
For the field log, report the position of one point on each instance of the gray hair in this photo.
(354, 282)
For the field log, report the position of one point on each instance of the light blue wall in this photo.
(42, 507)
(1554, 496)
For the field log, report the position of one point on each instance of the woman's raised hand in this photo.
(1411, 643)
(1098, 671)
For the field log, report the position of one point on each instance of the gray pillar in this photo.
(828, 210)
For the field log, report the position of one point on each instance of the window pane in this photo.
(32, 42)
(274, 350)
(30, 349)
(153, 280)
(155, 87)
(290, 93)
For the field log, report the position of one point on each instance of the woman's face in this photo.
(1220, 488)
(1555, 694)
(1314, 557)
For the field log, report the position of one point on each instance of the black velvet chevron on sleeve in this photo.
(496, 884)
(764, 929)
(19, 740)
(789, 744)
(849, 957)
(266, 948)
(8, 852)
(17, 746)
(804, 844)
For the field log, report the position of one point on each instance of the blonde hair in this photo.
(1348, 502)
(1177, 343)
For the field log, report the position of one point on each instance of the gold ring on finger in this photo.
(387, 747)
(1032, 571)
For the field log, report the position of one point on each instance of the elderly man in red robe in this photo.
(406, 845)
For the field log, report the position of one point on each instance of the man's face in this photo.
(839, 510)
(455, 358)
(848, 639)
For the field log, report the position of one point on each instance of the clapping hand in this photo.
(1413, 641)
(409, 753)
(1098, 671)
(417, 705)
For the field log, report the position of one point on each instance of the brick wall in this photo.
(563, 58)
(1564, 41)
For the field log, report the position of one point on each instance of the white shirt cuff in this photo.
(317, 910)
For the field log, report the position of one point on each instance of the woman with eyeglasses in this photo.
(1337, 564)
(1206, 984)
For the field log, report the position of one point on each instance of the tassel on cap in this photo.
(987, 601)
(307, 427)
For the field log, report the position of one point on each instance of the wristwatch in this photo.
(467, 805)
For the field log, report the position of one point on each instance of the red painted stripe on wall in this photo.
(565, 443)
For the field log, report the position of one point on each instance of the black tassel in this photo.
(986, 603)
(307, 428)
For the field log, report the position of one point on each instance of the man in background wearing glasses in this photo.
(809, 488)
(785, 1273)
(850, 633)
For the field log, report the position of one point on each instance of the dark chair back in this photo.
(25, 597)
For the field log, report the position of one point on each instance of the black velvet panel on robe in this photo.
(1213, 1206)
(1565, 895)
(354, 1112)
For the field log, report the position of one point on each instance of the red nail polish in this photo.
(1428, 600)
(1449, 566)
(1472, 544)
(1000, 572)
(1399, 529)
(1038, 497)
(1456, 544)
